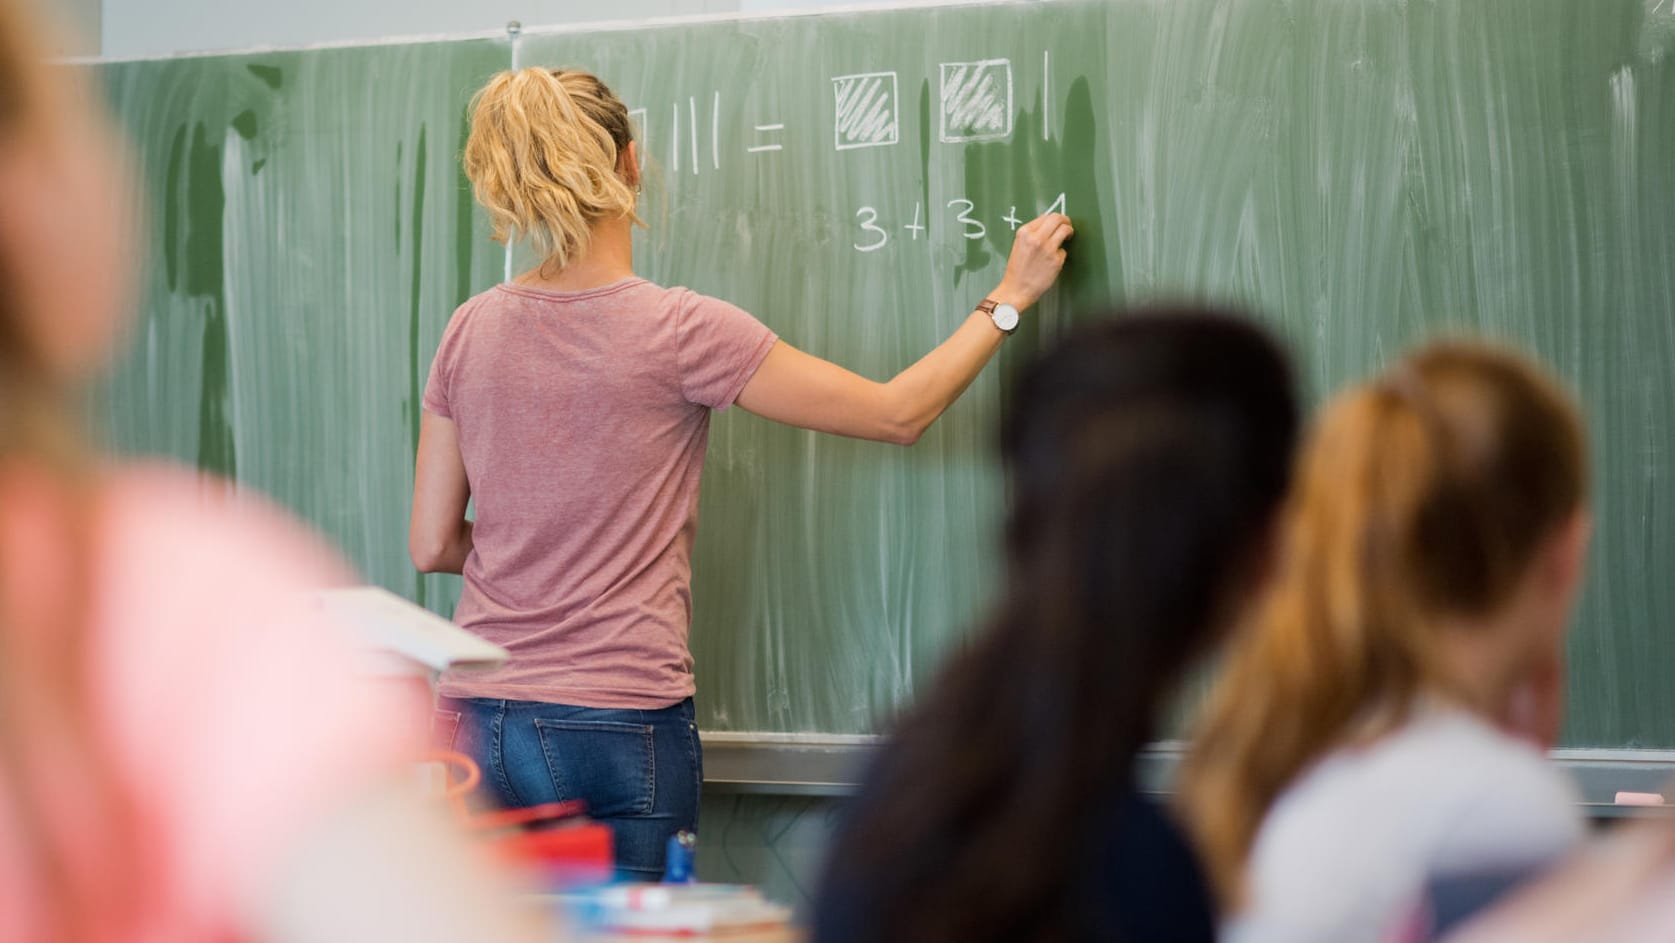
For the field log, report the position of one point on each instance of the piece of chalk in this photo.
(1639, 798)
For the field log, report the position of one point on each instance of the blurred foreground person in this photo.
(1383, 727)
(183, 754)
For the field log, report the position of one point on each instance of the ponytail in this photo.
(1422, 496)
(542, 159)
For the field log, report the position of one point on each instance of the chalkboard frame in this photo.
(830, 767)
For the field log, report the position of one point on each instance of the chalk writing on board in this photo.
(693, 134)
(976, 100)
(867, 110)
(973, 228)
(692, 109)
(765, 129)
(867, 217)
(976, 103)
(715, 130)
(963, 213)
(1046, 86)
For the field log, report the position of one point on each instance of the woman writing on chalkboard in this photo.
(572, 405)
(1382, 727)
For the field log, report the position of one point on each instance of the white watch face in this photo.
(1005, 317)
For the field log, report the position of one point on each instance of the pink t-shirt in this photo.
(582, 420)
(232, 709)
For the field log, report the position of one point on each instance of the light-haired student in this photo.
(1149, 455)
(1383, 727)
(183, 754)
(572, 405)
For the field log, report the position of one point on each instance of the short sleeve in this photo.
(719, 348)
(441, 373)
(1521, 812)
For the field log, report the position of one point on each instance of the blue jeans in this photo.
(638, 771)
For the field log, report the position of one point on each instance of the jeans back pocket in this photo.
(607, 764)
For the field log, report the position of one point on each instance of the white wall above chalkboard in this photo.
(146, 28)
(78, 26)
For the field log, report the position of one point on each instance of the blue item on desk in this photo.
(680, 864)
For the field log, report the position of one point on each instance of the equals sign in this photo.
(767, 147)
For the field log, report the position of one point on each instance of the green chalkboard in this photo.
(1363, 172)
(308, 233)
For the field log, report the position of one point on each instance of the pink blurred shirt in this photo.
(232, 710)
(582, 421)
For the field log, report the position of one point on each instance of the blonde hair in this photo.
(1422, 496)
(70, 814)
(542, 158)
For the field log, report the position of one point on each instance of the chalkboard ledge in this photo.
(784, 764)
(826, 765)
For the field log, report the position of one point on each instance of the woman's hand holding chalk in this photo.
(1037, 256)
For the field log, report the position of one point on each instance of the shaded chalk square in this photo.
(867, 112)
(976, 100)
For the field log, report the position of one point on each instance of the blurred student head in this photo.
(65, 268)
(63, 283)
(1433, 548)
(185, 753)
(1147, 455)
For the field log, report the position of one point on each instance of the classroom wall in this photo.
(776, 843)
(136, 28)
(79, 27)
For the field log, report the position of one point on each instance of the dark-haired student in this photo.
(1148, 456)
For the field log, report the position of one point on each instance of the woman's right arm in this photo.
(802, 390)
(438, 534)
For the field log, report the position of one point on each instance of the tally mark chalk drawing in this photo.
(693, 134)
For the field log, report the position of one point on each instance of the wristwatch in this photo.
(1004, 315)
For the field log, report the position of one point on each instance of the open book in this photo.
(402, 638)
